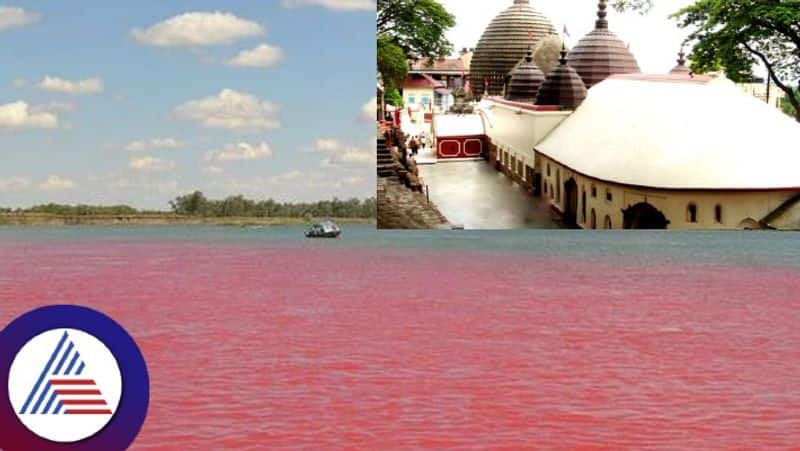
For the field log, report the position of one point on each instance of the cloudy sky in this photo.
(654, 39)
(139, 101)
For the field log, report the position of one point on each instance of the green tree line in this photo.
(77, 210)
(196, 204)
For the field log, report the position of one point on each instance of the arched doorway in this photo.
(644, 216)
(571, 202)
(593, 220)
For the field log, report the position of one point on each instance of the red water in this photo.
(285, 348)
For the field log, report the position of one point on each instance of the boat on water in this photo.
(324, 229)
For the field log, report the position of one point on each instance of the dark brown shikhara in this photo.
(601, 53)
(563, 86)
(526, 78)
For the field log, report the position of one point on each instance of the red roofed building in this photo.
(430, 82)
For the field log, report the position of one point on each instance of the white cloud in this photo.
(328, 145)
(20, 83)
(198, 29)
(286, 177)
(240, 151)
(13, 184)
(295, 185)
(338, 152)
(353, 180)
(264, 55)
(231, 110)
(212, 170)
(338, 5)
(11, 17)
(150, 164)
(20, 115)
(53, 107)
(154, 144)
(369, 110)
(56, 183)
(55, 84)
(168, 187)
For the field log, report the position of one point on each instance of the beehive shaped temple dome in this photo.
(504, 43)
(563, 86)
(601, 53)
(526, 77)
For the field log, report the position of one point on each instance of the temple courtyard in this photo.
(474, 195)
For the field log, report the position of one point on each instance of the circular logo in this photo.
(64, 385)
(76, 381)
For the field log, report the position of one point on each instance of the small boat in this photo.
(324, 229)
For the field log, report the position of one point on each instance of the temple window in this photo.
(548, 169)
(594, 192)
(583, 205)
(545, 188)
(609, 196)
(412, 100)
(558, 185)
(691, 213)
(718, 214)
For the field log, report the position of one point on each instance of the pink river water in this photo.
(260, 347)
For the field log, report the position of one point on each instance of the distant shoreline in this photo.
(165, 219)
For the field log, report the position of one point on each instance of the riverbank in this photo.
(401, 208)
(41, 219)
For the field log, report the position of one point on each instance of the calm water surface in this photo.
(259, 339)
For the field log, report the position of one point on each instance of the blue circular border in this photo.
(129, 418)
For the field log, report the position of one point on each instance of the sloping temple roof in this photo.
(677, 132)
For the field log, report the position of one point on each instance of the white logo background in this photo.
(101, 366)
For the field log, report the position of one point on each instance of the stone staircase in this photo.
(402, 208)
(401, 204)
(385, 162)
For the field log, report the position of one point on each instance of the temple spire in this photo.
(602, 22)
(521, 2)
(681, 58)
(563, 59)
(681, 68)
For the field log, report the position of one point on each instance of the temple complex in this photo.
(607, 147)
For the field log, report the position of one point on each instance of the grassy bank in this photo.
(156, 219)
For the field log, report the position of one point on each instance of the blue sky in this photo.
(137, 102)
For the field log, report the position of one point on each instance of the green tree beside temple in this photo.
(409, 28)
(787, 106)
(738, 34)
